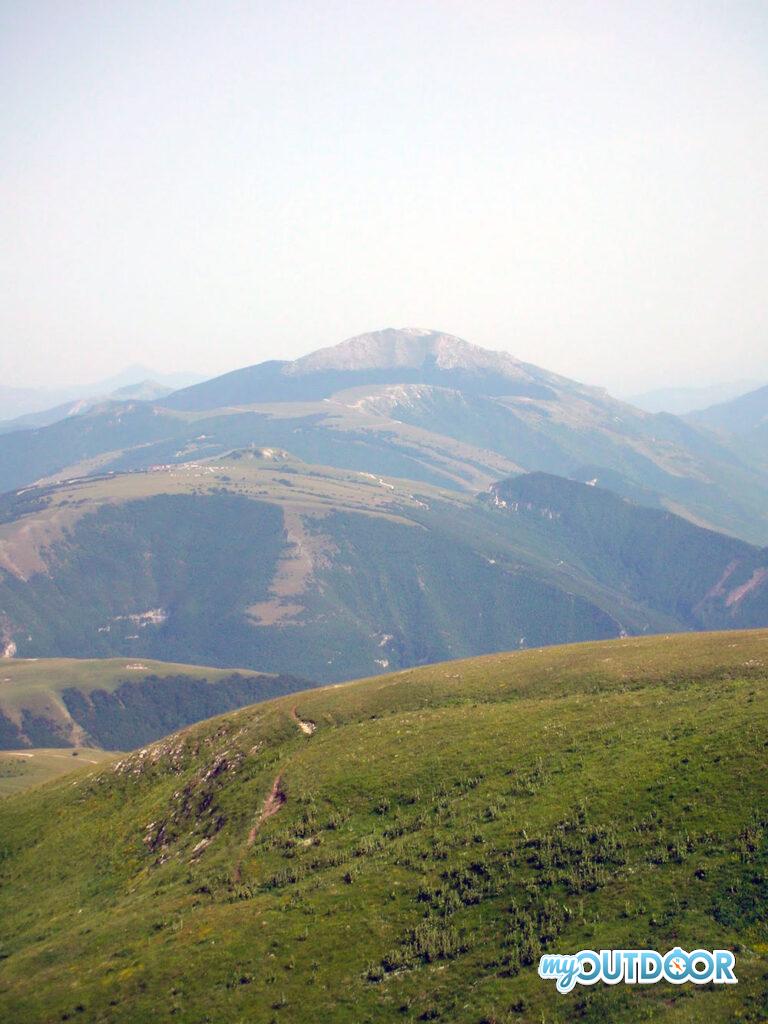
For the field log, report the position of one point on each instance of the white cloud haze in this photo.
(203, 185)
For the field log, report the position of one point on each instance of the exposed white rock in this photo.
(410, 348)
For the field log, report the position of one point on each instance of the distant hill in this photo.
(144, 391)
(16, 402)
(137, 373)
(118, 703)
(416, 404)
(404, 848)
(260, 560)
(681, 401)
(24, 769)
(740, 416)
(657, 558)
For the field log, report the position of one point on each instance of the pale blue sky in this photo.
(202, 185)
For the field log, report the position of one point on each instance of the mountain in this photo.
(260, 560)
(404, 848)
(118, 704)
(23, 402)
(681, 401)
(743, 422)
(391, 356)
(740, 416)
(420, 405)
(144, 391)
(137, 374)
(18, 401)
(130, 435)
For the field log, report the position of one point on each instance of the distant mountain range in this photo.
(417, 404)
(144, 391)
(25, 402)
(743, 422)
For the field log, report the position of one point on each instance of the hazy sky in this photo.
(203, 185)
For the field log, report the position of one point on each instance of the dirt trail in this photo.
(272, 805)
(305, 725)
(67, 757)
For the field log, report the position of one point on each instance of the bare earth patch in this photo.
(305, 725)
(757, 578)
(305, 553)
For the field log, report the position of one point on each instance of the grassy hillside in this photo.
(21, 769)
(117, 703)
(402, 848)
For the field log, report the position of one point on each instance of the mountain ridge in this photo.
(740, 416)
(142, 391)
(353, 572)
(447, 414)
(683, 401)
(383, 356)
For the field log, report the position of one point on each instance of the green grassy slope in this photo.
(21, 769)
(118, 703)
(408, 857)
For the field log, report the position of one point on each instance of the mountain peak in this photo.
(408, 348)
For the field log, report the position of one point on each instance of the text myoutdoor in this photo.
(638, 967)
